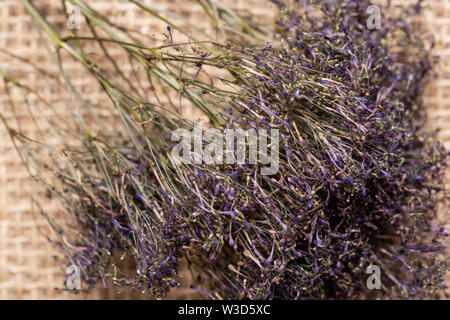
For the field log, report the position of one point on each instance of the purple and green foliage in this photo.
(358, 184)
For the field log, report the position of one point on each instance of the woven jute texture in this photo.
(28, 269)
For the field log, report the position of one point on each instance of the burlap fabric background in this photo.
(27, 267)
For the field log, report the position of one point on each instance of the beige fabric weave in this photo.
(27, 268)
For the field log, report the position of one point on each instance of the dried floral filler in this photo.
(358, 183)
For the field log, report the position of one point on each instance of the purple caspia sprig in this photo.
(358, 184)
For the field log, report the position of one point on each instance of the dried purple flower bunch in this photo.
(358, 180)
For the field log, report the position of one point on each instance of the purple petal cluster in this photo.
(358, 183)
